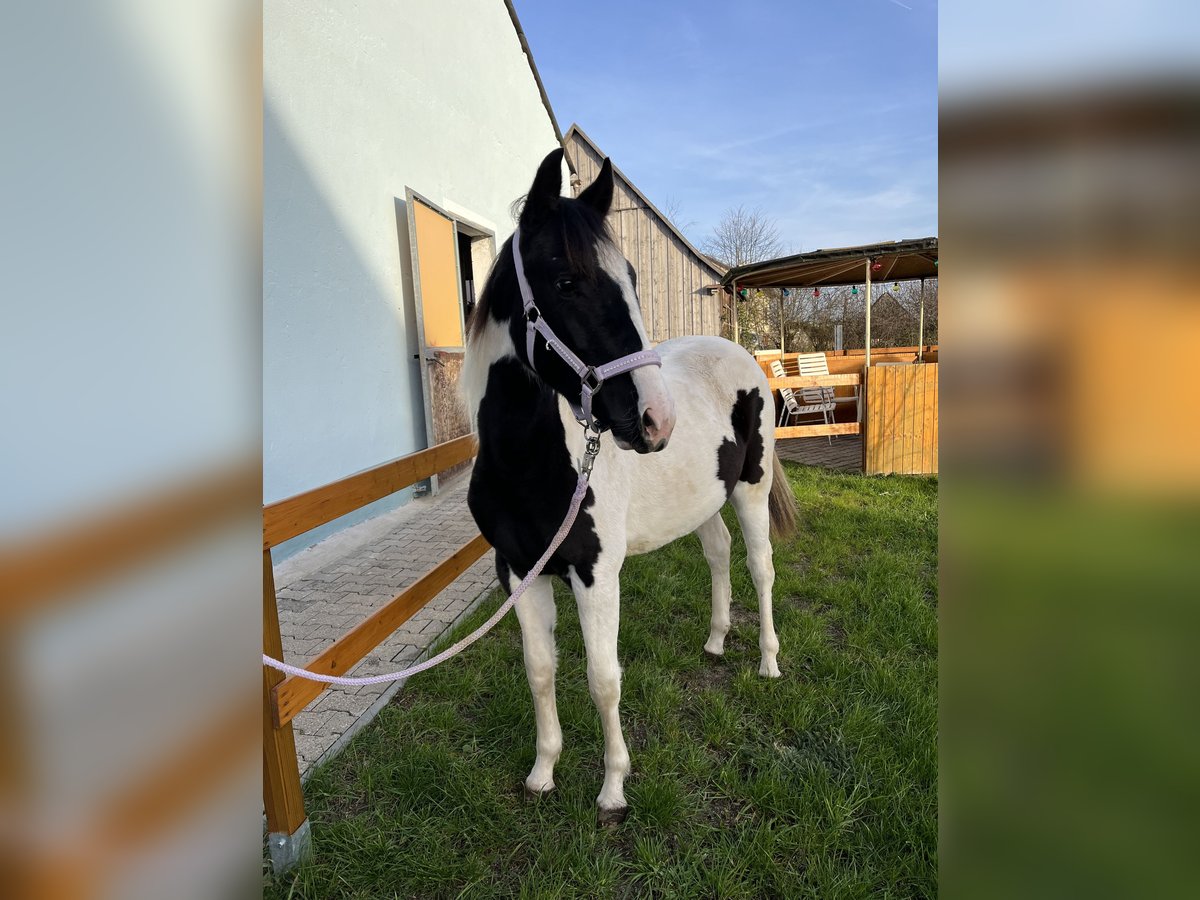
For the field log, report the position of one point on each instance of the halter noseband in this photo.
(591, 378)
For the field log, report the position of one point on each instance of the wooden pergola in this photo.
(892, 261)
(897, 416)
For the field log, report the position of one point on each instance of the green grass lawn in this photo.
(820, 784)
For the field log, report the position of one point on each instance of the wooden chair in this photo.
(814, 399)
(817, 364)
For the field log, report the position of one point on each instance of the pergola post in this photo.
(866, 380)
(737, 331)
(781, 348)
(921, 327)
(867, 341)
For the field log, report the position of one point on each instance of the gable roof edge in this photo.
(512, 14)
(700, 257)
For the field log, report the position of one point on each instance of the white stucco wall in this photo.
(360, 100)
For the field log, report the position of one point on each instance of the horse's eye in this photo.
(565, 286)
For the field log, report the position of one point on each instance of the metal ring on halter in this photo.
(595, 382)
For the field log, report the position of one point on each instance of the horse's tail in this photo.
(782, 502)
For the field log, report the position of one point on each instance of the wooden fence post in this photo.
(866, 433)
(288, 835)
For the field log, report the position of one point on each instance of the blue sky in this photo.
(823, 113)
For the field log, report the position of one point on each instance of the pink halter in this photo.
(591, 378)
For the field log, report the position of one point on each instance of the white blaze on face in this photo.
(653, 396)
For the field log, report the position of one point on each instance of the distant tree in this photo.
(744, 236)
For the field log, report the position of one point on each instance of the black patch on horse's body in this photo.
(741, 459)
(523, 479)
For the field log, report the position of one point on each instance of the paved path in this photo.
(327, 589)
(844, 454)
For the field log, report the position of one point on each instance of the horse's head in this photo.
(587, 291)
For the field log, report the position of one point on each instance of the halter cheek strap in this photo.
(591, 378)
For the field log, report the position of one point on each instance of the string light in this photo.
(816, 292)
(876, 266)
(854, 290)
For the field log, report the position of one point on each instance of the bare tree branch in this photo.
(671, 209)
(744, 236)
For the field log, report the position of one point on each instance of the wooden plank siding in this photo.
(902, 420)
(673, 278)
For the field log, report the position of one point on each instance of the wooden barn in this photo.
(680, 288)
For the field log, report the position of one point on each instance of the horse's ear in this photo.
(547, 188)
(598, 195)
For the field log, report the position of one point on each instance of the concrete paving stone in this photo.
(309, 747)
(407, 654)
(305, 648)
(328, 701)
(327, 630)
(310, 722)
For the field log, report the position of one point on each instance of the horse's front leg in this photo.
(599, 616)
(536, 611)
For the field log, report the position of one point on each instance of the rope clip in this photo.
(591, 451)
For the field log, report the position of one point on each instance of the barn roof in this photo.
(899, 261)
(537, 77)
(707, 261)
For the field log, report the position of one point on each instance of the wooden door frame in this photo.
(460, 225)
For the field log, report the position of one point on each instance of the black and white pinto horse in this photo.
(697, 426)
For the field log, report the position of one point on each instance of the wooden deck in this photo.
(843, 455)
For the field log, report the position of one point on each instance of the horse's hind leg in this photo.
(714, 538)
(537, 613)
(750, 502)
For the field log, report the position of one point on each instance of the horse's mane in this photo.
(582, 230)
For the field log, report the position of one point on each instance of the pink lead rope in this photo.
(589, 458)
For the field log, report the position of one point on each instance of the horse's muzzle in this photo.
(657, 426)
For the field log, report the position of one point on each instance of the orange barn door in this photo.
(440, 321)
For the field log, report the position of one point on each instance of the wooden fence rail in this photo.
(284, 698)
(796, 382)
(286, 519)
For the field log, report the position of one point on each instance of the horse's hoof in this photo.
(533, 793)
(713, 657)
(771, 671)
(612, 817)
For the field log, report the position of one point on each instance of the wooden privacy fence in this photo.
(898, 418)
(901, 420)
(285, 696)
